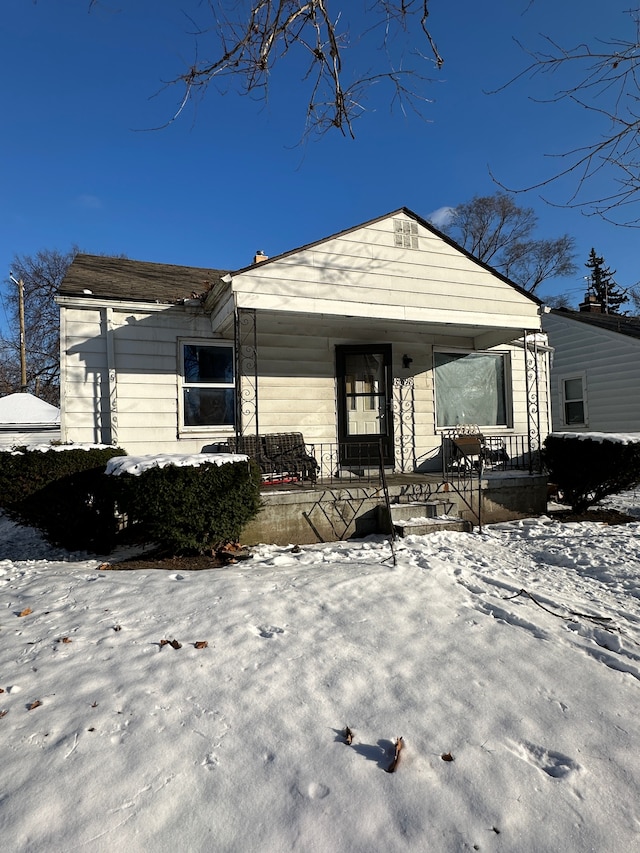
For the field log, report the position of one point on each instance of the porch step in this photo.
(423, 526)
(417, 518)
(426, 509)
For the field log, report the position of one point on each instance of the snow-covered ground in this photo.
(516, 653)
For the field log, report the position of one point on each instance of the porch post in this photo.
(246, 358)
(404, 433)
(532, 379)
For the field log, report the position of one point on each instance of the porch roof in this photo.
(467, 331)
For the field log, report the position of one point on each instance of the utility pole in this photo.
(23, 348)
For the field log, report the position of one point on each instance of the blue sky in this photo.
(229, 177)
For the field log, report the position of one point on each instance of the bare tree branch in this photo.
(607, 85)
(42, 275)
(254, 35)
(497, 231)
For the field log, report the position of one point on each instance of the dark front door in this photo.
(364, 404)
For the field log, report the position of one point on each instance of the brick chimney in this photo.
(591, 304)
(260, 257)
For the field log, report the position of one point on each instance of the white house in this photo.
(25, 419)
(595, 378)
(386, 331)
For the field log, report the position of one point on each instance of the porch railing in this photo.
(499, 453)
(468, 456)
(333, 463)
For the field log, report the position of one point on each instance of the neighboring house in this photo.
(25, 419)
(595, 376)
(386, 331)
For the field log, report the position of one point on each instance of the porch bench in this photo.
(278, 455)
(288, 452)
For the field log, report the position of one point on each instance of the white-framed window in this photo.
(472, 388)
(573, 394)
(405, 234)
(208, 398)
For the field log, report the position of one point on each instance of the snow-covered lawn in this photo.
(113, 741)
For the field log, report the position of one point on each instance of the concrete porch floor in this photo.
(349, 508)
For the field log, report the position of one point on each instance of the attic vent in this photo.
(405, 234)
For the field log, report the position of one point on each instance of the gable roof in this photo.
(104, 277)
(120, 278)
(629, 326)
(423, 222)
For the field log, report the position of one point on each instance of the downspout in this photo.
(63, 373)
(112, 433)
(527, 393)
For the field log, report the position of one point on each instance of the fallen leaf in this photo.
(26, 612)
(201, 644)
(3, 714)
(348, 736)
(175, 644)
(396, 758)
(33, 705)
(94, 705)
(1, 689)
(164, 642)
(64, 639)
(446, 756)
(91, 729)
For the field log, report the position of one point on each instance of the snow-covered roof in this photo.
(23, 408)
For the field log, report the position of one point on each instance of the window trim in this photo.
(185, 430)
(506, 356)
(562, 380)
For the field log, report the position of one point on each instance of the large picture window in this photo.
(208, 385)
(471, 388)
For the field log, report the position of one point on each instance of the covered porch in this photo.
(403, 387)
(411, 503)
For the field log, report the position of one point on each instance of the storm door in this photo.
(364, 404)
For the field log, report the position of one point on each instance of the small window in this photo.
(573, 401)
(405, 233)
(208, 385)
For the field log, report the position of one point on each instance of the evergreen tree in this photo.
(603, 285)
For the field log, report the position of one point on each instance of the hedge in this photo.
(63, 492)
(181, 509)
(587, 469)
(185, 509)
(25, 471)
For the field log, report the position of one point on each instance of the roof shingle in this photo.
(120, 278)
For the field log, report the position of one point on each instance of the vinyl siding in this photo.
(364, 274)
(611, 365)
(147, 364)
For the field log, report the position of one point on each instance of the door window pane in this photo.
(365, 394)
